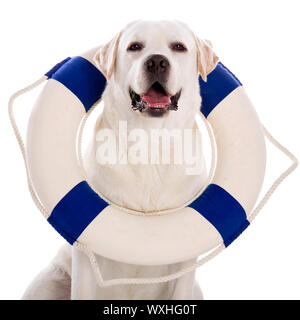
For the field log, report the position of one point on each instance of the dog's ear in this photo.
(206, 57)
(105, 57)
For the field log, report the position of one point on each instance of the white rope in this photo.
(104, 283)
(138, 281)
(21, 142)
(278, 181)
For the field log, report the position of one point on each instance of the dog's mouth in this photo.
(155, 101)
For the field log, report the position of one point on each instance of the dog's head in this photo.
(153, 65)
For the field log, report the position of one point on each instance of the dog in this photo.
(152, 69)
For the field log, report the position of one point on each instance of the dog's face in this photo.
(154, 64)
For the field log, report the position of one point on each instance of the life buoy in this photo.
(218, 215)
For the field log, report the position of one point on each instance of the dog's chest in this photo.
(146, 187)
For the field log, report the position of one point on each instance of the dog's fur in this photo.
(141, 187)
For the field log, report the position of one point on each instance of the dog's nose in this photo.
(157, 64)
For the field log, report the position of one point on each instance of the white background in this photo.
(257, 40)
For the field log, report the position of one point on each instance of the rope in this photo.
(21, 142)
(139, 281)
(105, 283)
(279, 180)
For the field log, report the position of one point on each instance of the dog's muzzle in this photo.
(155, 101)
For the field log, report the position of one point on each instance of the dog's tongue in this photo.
(156, 98)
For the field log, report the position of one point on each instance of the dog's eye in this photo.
(136, 46)
(178, 47)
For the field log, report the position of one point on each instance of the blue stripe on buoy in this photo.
(223, 211)
(81, 77)
(56, 67)
(220, 83)
(75, 211)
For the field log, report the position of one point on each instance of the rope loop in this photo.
(105, 283)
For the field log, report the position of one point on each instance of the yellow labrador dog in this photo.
(153, 70)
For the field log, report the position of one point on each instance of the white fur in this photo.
(140, 187)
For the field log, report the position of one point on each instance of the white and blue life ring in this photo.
(219, 215)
